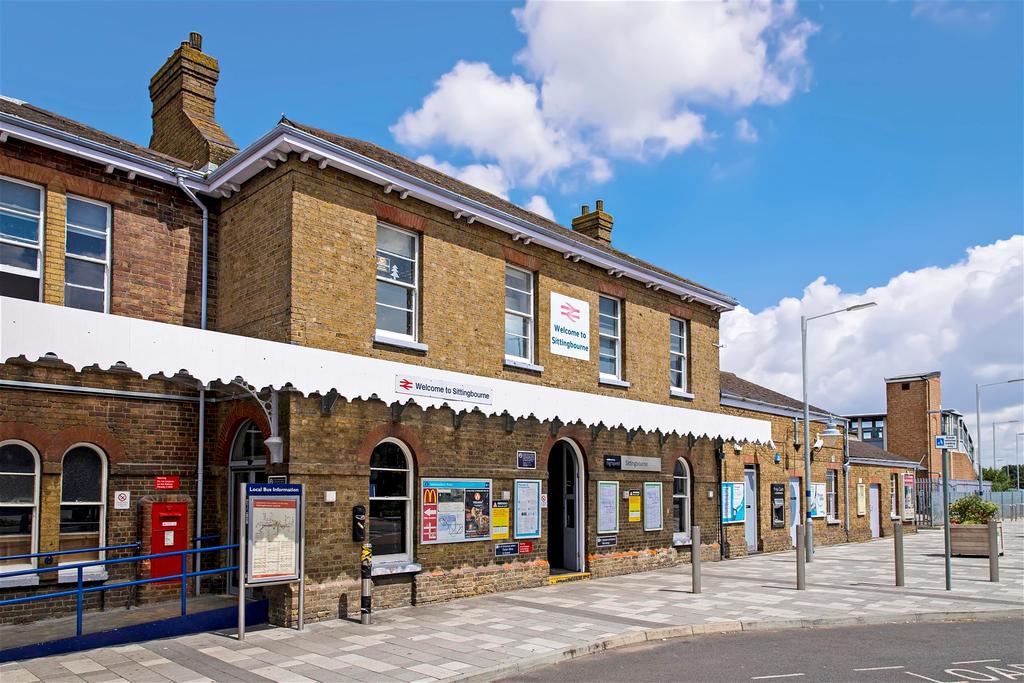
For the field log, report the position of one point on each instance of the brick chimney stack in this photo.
(596, 224)
(183, 98)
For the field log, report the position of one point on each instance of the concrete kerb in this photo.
(671, 632)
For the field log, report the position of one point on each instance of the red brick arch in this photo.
(578, 435)
(395, 431)
(242, 411)
(29, 433)
(63, 440)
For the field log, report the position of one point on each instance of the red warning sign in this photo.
(428, 523)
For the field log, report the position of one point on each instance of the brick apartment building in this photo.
(181, 318)
(860, 488)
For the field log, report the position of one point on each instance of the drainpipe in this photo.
(201, 464)
(846, 480)
(719, 464)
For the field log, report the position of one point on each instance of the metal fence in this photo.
(929, 499)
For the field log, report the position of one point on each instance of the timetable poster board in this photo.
(817, 510)
(633, 508)
(908, 497)
(653, 520)
(455, 510)
(274, 526)
(528, 505)
(607, 507)
(734, 509)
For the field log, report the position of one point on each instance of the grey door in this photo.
(873, 512)
(750, 514)
(570, 548)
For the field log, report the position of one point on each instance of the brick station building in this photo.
(183, 318)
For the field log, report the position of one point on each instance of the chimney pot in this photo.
(600, 205)
(586, 210)
(195, 39)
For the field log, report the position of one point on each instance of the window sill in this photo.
(522, 365)
(19, 581)
(679, 393)
(379, 338)
(613, 382)
(396, 567)
(679, 540)
(88, 574)
(832, 522)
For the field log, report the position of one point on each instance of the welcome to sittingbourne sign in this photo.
(570, 327)
(448, 391)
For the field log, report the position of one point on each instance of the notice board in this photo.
(455, 510)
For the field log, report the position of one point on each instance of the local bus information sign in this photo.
(274, 514)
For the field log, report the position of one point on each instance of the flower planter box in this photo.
(971, 540)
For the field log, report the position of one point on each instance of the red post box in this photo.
(169, 533)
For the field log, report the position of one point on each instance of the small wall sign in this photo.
(632, 463)
(122, 500)
(165, 483)
(506, 549)
(525, 547)
(526, 460)
(606, 541)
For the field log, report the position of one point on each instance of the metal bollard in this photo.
(695, 558)
(801, 569)
(897, 535)
(365, 593)
(993, 550)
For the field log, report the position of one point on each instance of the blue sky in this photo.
(893, 142)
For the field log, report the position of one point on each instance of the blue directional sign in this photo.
(945, 442)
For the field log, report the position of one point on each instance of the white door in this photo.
(750, 513)
(794, 507)
(873, 514)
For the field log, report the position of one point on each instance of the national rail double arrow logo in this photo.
(571, 312)
(405, 384)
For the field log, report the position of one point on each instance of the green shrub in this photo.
(972, 510)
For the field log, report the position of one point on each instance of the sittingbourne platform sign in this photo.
(449, 391)
(570, 327)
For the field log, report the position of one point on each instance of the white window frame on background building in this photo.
(831, 495)
(92, 232)
(96, 571)
(894, 496)
(30, 563)
(616, 338)
(526, 315)
(678, 341)
(37, 245)
(408, 498)
(388, 335)
(681, 530)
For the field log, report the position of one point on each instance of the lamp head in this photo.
(857, 307)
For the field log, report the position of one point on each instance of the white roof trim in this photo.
(151, 348)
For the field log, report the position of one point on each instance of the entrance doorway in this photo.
(247, 466)
(750, 514)
(566, 519)
(873, 513)
(794, 507)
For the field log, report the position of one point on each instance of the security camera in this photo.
(818, 444)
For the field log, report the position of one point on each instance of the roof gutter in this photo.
(906, 464)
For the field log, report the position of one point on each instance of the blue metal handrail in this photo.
(28, 556)
(80, 590)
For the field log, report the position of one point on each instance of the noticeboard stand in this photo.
(243, 558)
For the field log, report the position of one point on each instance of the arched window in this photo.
(248, 447)
(19, 503)
(390, 518)
(83, 496)
(681, 499)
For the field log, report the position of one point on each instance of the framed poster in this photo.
(908, 497)
(499, 520)
(527, 513)
(607, 507)
(274, 514)
(633, 509)
(734, 507)
(862, 492)
(778, 506)
(817, 510)
(455, 510)
(652, 506)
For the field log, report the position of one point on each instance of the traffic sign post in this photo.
(944, 443)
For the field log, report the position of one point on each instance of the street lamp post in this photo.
(977, 422)
(807, 421)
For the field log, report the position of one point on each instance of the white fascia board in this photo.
(152, 348)
(104, 155)
(771, 409)
(884, 463)
(240, 168)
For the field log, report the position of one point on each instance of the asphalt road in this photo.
(941, 653)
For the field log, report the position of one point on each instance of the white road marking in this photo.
(977, 661)
(879, 668)
(761, 678)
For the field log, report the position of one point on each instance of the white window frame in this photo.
(415, 287)
(895, 484)
(40, 243)
(88, 259)
(617, 338)
(410, 522)
(93, 572)
(832, 495)
(683, 536)
(685, 386)
(32, 563)
(529, 316)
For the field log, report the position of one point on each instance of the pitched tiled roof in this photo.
(431, 175)
(737, 386)
(867, 451)
(34, 114)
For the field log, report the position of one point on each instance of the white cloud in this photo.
(539, 205)
(487, 177)
(947, 13)
(966, 320)
(607, 80)
(745, 131)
